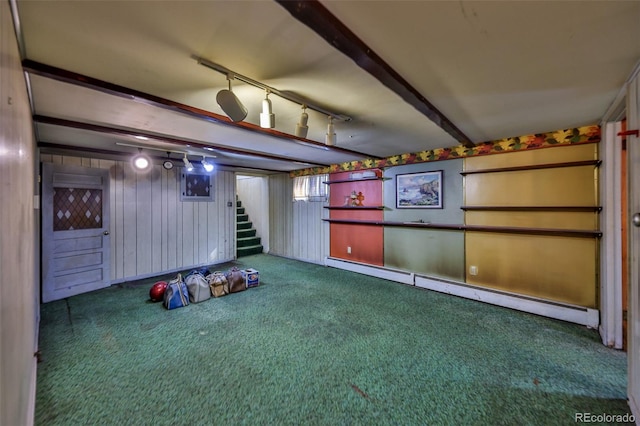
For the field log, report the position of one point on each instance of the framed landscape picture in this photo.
(419, 190)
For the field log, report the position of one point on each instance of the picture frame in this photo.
(421, 190)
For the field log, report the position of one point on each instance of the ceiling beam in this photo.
(318, 18)
(180, 142)
(71, 77)
(61, 149)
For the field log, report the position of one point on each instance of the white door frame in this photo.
(633, 154)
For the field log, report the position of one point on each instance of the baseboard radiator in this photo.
(565, 312)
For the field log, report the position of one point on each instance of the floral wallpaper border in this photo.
(573, 136)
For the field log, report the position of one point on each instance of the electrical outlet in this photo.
(348, 249)
(473, 270)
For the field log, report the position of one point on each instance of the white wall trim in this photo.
(617, 109)
(611, 242)
(31, 408)
(375, 271)
(574, 314)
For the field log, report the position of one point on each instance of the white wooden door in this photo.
(633, 152)
(75, 230)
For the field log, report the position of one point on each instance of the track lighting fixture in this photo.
(267, 117)
(237, 112)
(230, 103)
(187, 164)
(140, 161)
(207, 165)
(301, 128)
(331, 133)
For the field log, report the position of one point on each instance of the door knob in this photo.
(107, 232)
(636, 220)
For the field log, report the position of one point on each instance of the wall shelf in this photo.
(330, 182)
(354, 207)
(578, 233)
(533, 208)
(534, 167)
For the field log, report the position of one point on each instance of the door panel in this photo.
(75, 230)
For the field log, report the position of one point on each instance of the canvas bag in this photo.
(218, 284)
(176, 294)
(235, 280)
(198, 288)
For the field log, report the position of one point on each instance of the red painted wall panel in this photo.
(359, 243)
(366, 242)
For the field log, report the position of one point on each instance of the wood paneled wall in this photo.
(281, 215)
(310, 232)
(152, 231)
(296, 228)
(19, 290)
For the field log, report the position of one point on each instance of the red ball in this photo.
(156, 293)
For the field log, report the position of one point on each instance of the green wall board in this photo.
(431, 252)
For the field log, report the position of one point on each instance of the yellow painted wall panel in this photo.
(560, 269)
(554, 220)
(562, 154)
(565, 186)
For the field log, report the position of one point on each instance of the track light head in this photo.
(267, 117)
(230, 104)
(187, 164)
(301, 128)
(331, 133)
(208, 167)
(141, 162)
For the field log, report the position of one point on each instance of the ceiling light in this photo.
(267, 117)
(230, 104)
(207, 165)
(187, 163)
(331, 133)
(168, 164)
(301, 128)
(140, 161)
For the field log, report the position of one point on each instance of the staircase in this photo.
(246, 240)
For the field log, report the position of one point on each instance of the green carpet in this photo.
(319, 346)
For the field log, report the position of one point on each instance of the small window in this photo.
(310, 188)
(196, 186)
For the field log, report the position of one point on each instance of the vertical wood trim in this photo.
(172, 219)
(119, 221)
(610, 224)
(633, 155)
(130, 222)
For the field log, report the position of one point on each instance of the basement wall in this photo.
(296, 227)
(152, 231)
(527, 237)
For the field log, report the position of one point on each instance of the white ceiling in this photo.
(494, 69)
